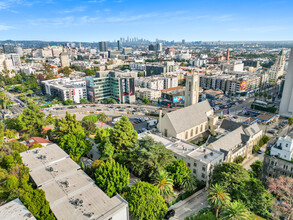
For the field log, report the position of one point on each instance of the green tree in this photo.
(109, 101)
(112, 177)
(239, 159)
(82, 101)
(1, 133)
(68, 102)
(265, 139)
(92, 118)
(11, 183)
(235, 211)
(8, 161)
(290, 123)
(179, 172)
(208, 215)
(218, 198)
(17, 157)
(145, 101)
(148, 157)
(15, 123)
(123, 134)
(256, 168)
(33, 118)
(96, 164)
(139, 74)
(66, 71)
(255, 148)
(89, 127)
(145, 202)
(10, 133)
(70, 136)
(103, 135)
(17, 146)
(106, 149)
(164, 184)
(102, 117)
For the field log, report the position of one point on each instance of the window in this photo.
(165, 132)
(195, 164)
(272, 163)
(194, 171)
(191, 133)
(188, 164)
(201, 127)
(203, 175)
(186, 135)
(196, 132)
(203, 169)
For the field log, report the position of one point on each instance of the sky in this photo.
(192, 20)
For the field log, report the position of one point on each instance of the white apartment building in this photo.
(65, 89)
(198, 62)
(283, 148)
(150, 94)
(233, 67)
(138, 66)
(201, 160)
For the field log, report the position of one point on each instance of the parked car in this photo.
(170, 214)
(272, 131)
(260, 151)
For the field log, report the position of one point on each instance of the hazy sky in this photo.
(192, 20)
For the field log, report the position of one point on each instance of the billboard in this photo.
(131, 86)
(177, 99)
(243, 85)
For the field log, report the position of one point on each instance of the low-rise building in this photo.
(201, 160)
(15, 210)
(150, 94)
(188, 123)
(235, 139)
(65, 89)
(71, 193)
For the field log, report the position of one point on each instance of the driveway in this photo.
(191, 205)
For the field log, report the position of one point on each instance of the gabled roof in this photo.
(188, 117)
(35, 140)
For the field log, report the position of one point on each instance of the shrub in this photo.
(239, 159)
(261, 143)
(265, 139)
(92, 118)
(255, 148)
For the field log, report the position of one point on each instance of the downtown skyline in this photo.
(97, 20)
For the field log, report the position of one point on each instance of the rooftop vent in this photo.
(51, 169)
(212, 153)
(205, 156)
(204, 150)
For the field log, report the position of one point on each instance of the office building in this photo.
(103, 46)
(153, 47)
(159, 47)
(119, 44)
(127, 50)
(8, 48)
(286, 106)
(19, 51)
(252, 63)
(277, 70)
(150, 94)
(111, 84)
(16, 60)
(191, 89)
(64, 60)
(71, 193)
(65, 89)
(232, 67)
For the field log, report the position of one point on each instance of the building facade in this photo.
(191, 89)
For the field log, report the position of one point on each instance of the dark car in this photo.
(170, 214)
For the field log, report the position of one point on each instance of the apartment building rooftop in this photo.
(15, 210)
(71, 193)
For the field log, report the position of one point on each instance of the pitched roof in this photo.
(189, 117)
(230, 140)
(34, 140)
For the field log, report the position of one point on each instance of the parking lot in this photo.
(142, 124)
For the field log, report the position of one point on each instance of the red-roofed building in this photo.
(37, 140)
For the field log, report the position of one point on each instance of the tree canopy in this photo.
(145, 202)
(111, 177)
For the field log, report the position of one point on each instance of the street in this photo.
(191, 205)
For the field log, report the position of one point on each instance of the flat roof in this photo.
(15, 210)
(71, 193)
(205, 154)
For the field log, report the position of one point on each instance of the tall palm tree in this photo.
(235, 211)
(164, 184)
(217, 197)
(189, 182)
(5, 98)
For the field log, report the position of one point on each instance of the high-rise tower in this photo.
(191, 89)
(286, 106)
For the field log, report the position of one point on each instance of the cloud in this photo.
(73, 10)
(131, 18)
(5, 27)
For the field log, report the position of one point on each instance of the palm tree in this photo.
(189, 182)
(5, 98)
(217, 197)
(235, 211)
(102, 117)
(164, 184)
